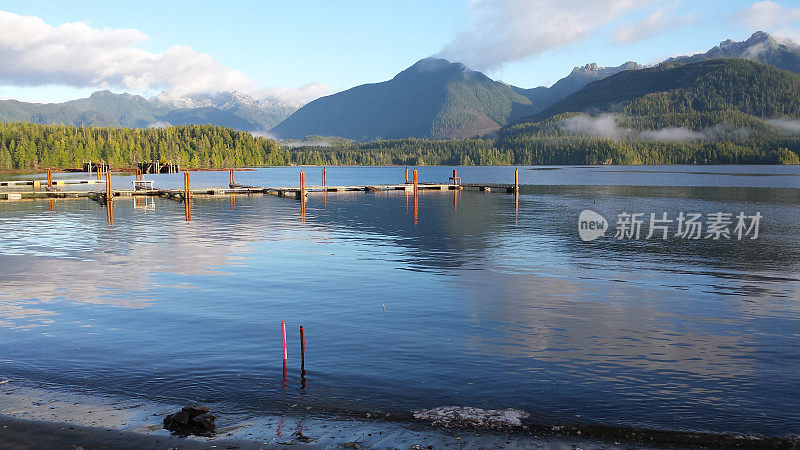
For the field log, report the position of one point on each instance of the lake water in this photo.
(475, 302)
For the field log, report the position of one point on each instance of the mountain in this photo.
(760, 47)
(434, 98)
(104, 108)
(707, 86)
(258, 115)
(542, 97)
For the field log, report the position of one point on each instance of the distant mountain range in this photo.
(433, 98)
(104, 108)
(439, 99)
(689, 90)
(760, 47)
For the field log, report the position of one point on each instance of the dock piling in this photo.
(233, 178)
(49, 178)
(109, 189)
(406, 175)
(302, 346)
(186, 186)
(283, 333)
(324, 178)
(302, 194)
(416, 182)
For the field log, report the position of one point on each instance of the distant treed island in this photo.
(739, 103)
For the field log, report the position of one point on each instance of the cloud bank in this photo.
(782, 22)
(33, 53)
(790, 125)
(605, 126)
(658, 22)
(502, 31)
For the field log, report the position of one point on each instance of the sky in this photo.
(51, 51)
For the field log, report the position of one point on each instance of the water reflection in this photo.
(491, 300)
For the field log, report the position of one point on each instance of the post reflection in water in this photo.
(50, 203)
(110, 211)
(416, 208)
(284, 381)
(233, 203)
(187, 206)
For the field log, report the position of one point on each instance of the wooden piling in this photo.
(98, 172)
(187, 192)
(416, 182)
(233, 178)
(324, 178)
(49, 177)
(302, 195)
(406, 175)
(516, 180)
(109, 191)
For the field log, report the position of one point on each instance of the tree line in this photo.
(30, 146)
(26, 145)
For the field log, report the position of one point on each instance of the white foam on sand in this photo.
(465, 416)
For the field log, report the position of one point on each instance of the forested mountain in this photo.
(671, 88)
(542, 97)
(434, 98)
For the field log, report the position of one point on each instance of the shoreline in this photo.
(52, 418)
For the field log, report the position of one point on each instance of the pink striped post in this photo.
(283, 332)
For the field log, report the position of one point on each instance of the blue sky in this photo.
(276, 47)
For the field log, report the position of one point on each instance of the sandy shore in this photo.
(37, 418)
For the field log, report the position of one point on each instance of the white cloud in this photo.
(295, 96)
(604, 125)
(790, 125)
(770, 16)
(658, 22)
(672, 134)
(503, 31)
(34, 53)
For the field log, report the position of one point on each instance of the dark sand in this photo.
(36, 418)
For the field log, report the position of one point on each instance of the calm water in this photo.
(485, 306)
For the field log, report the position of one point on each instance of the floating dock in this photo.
(50, 188)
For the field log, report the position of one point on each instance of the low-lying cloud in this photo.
(34, 53)
(599, 126)
(606, 126)
(672, 134)
(790, 125)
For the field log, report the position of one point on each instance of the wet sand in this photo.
(37, 418)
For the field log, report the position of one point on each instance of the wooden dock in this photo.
(52, 189)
